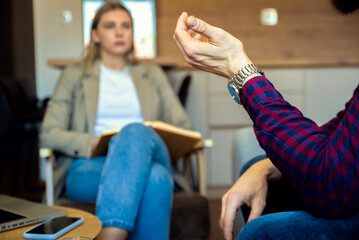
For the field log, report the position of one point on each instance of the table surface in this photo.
(90, 228)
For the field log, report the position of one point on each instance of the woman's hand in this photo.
(219, 53)
(250, 189)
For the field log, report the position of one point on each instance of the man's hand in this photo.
(250, 189)
(219, 53)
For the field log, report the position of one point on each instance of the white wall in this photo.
(328, 90)
(53, 39)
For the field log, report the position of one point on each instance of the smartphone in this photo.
(53, 228)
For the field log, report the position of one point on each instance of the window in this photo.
(144, 20)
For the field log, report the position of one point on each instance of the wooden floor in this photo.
(215, 211)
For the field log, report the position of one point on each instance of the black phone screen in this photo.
(54, 225)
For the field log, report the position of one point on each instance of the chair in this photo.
(183, 90)
(190, 211)
(245, 147)
(281, 196)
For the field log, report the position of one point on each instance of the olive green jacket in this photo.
(71, 113)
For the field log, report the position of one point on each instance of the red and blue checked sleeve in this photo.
(321, 163)
(330, 126)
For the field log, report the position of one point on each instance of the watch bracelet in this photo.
(236, 83)
(243, 73)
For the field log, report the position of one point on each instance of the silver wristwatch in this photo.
(236, 83)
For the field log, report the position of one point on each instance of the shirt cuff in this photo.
(255, 91)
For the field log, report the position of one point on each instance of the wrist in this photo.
(266, 168)
(237, 64)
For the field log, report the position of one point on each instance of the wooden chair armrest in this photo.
(205, 143)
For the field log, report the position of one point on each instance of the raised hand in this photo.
(209, 48)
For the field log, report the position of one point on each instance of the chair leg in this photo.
(201, 168)
(47, 154)
(187, 168)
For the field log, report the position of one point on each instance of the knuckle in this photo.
(191, 53)
(224, 198)
(201, 27)
(262, 202)
(188, 60)
(231, 197)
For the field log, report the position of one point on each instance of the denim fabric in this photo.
(300, 225)
(282, 220)
(132, 185)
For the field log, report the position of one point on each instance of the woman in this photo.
(132, 185)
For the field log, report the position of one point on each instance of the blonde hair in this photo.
(93, 50)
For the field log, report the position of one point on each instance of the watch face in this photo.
(234, 93)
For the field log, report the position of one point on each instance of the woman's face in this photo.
(114, 33)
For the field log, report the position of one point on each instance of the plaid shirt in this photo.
(322, 163)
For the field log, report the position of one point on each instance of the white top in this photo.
(118, 103)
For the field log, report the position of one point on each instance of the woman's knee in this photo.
(135, 129)
(133, 132)
(141, 142)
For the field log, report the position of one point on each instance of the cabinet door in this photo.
(328, 90)
(223, 111)
(219, 166)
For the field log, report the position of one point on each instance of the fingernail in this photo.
(195, 23)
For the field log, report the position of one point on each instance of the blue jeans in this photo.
(132, 185)
(282, 220)
(300, 225)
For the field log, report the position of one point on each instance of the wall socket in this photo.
(65, 17)
(269, 16)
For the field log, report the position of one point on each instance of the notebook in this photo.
(16, 212)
